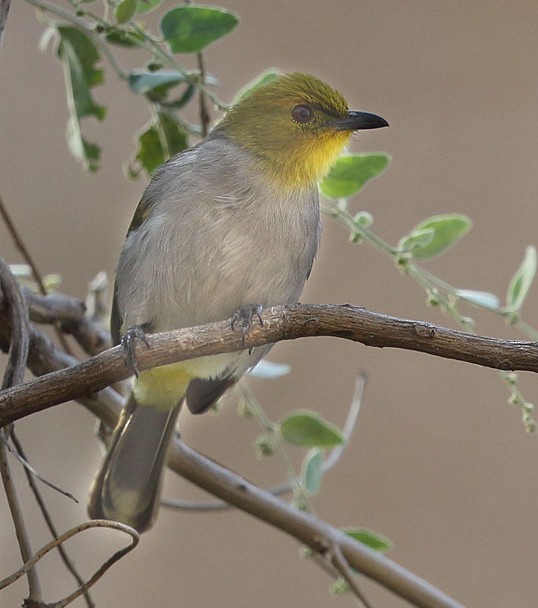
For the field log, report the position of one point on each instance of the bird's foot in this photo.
(128, 343)
(243, 317)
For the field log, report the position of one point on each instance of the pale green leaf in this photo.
(308, 429)
(189, 28)
(447, 231)
(481, 298)
(417, 238)
(522, 280)
(268, 370)
(87, 153)
(79, 56)
(312, 470)
(142, 81)
(351, 172)
(21, 270)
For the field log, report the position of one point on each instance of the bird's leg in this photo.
(128, 343)
(244, 315)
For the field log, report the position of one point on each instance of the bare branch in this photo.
(14, 374)
(339, 562)
(279, 323)
(97, 523)
(70, 315)
(313, 532)
(48, 519)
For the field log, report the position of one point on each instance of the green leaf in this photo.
(417, 238)
(149, 153)
(189, 29)
(522, 280)
(142, 81)
(481, 298)
(312, 470)
(157, 143)
(145, 6)
(370, 539)
(350, 173)
(123, 37)
(447, 230)
(87, 153)
(183, 99)
(79, 55)
(125, 10)
(173, 137)
(307, 429)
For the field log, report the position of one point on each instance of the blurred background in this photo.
(439, 462)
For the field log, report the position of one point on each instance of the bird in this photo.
(223, 230)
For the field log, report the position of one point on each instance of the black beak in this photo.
(355, 121)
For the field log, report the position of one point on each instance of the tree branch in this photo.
(14, 374)
(82, 380)
(279, 323)
(315, 533)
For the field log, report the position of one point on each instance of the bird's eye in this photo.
(302, 113)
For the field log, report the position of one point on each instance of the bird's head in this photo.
(296, 126)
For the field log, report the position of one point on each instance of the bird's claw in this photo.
(244, 316)
(128, 343)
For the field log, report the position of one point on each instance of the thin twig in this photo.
(15, 510)
(21, 246)
(339, 562)
(299, 493)
(30, 470)
(284, 487)
(50, 524)
(14, 374)
(97, 523)
(205, 118)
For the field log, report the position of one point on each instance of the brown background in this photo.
(439, 462)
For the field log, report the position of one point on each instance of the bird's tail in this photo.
(127, 485)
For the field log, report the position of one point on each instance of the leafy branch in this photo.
(83, 38)
(431, 238)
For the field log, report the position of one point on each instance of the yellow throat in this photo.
(292, 126)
